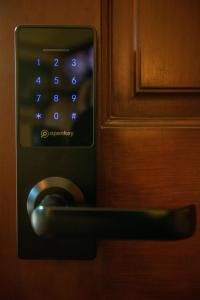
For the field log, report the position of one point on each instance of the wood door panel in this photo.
(151, 168)
(50, 279)
(151, 271)
(169, 51)
(134, 56)
(35, 279)
(140, 164)
(145, 167)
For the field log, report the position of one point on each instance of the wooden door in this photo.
(148, 147)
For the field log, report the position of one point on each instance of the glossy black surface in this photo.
(55, 70)
(53, 219)
(37, 162)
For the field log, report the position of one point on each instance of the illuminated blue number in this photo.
(56, 116)
(74, 81)
(38, 97)
(56, 62)
(38, 61)
(38, 80)
(74, 97)
(56, 80)
(55, 98)
(74, 62)
(74, 116)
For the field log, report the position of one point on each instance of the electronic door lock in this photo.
(55, 109)
(56, 153)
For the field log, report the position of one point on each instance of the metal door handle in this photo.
(51, 218)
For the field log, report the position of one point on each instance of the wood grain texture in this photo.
(123, 26)
(155, 167)
(20, 280)
(137, 167)
(168, 44)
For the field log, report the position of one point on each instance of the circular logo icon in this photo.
(44, 134)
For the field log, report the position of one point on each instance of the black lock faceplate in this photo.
(62, 142)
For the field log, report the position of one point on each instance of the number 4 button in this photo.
(38, 80)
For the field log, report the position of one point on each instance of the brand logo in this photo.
(44, 134)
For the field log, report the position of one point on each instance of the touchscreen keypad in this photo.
(56, 70)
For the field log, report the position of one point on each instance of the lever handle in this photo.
(52, 216)
(106, 223)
